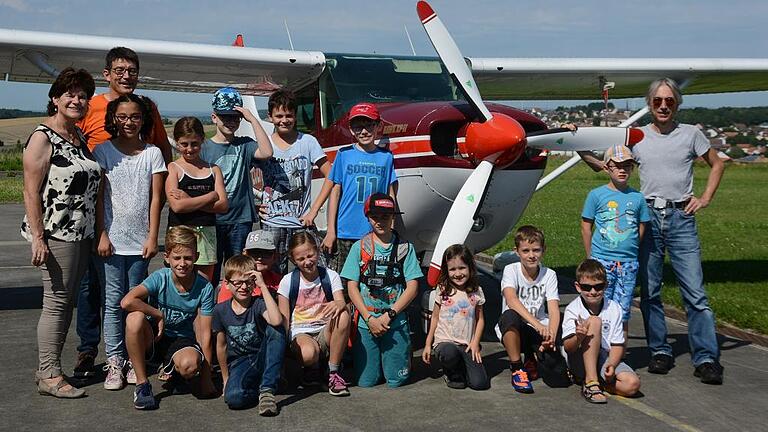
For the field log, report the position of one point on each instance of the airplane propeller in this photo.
(495, 140)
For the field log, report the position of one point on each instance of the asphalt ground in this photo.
(677, 401)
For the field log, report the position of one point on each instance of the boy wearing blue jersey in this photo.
(619, 214)
(358, 171)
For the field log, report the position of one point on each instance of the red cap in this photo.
(365, 110)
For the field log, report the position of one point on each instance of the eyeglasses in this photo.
(358, 127)
(669, 101)
(239, 283)
(119, 71)
(589, 287)
(122, 118)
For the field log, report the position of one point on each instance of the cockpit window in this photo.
(383, 79)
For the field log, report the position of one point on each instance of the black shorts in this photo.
(530, 339)
(164, 349)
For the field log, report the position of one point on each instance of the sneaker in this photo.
(710, 373)
(130, 375)
(532, 367)
(520, 381)
(85, 364)
(455, 381)
(267, 404)
(312, 377)
(661, 364)
(114, 368)
(336, 385)
(143, 399)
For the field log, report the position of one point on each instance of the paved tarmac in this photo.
(677, 401)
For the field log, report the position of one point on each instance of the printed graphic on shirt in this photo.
(284, 185)
(307, 313)
(617, 224)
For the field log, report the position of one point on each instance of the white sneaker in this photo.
(114, 368)
(130, 376)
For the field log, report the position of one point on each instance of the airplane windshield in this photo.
(383, 79)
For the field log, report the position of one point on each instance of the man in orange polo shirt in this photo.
(121, 71)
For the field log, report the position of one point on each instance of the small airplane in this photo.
(467, 169)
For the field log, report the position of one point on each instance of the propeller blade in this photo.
(460, 218)
(451, 56)
(587, 138)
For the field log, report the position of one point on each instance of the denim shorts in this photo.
(620, 287)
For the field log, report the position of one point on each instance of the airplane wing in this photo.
(31, 56)
(584, 78)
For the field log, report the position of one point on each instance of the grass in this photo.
(11, 189)
(10, 159)
(733, 232)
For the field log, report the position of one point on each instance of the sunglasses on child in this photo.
(589, 287)
(669, 101)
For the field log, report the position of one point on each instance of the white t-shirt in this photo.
(532, 294)
(305, 317)
(287, 176)
(612, 332)
(127, 194)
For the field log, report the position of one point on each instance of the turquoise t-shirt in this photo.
(385, 297)
(234, 159)
(179, 309)
(617, 215)
(360, 174)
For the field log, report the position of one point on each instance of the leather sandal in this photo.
(591, 389)
(57, 390)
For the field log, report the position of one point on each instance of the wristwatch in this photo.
(391, 312)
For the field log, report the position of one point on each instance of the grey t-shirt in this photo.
(666, 161)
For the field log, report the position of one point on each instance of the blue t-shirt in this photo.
(617, 215)
(244, 331)
(179, 309)
(360, 174)
(234, 159)
(384, 297)
(288, 181)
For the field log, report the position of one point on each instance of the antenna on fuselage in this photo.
(413, 50)
(290, 41)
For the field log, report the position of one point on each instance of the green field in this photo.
(733, 232)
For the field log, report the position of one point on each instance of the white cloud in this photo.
(17, 5)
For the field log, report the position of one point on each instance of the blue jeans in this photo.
(89, 305)
(121, 273)
(673, 231)
(230, 241)
(252, 374)
(620, 278)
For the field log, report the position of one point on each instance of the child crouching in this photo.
(594, 339)
(457, 322)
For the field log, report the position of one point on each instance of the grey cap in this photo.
(260, 240)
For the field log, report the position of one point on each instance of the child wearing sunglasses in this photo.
(594, 340)
(619, 215)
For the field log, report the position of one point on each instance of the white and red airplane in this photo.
(467, 169)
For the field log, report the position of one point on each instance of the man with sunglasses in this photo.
(666, 156)
(121, 71)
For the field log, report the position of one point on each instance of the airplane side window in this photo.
(305, 110)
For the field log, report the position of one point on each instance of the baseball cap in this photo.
(260, 240)
(380, 203)
(618, 153)
(225, 100)
(365, 110)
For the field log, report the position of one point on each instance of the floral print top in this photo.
(68, 193)
(456, 322)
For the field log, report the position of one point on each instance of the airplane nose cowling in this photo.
(500, 140)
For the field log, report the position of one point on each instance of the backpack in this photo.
(368, 273)
(325, 282)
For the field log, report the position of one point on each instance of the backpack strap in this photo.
(294, 293)
(367, 249)
(325, 282)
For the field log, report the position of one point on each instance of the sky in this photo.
(481, 28)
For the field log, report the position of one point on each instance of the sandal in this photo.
(590, 390)
(56, 390)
